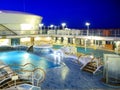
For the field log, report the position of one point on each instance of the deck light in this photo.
(63, 25)
(87, 24)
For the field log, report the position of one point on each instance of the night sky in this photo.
(100, 13)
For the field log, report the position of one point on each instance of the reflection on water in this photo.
(17, 58)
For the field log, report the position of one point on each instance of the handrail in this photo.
(8, 29)
(22, 65)
(22, 70)
(7, 75)
(33, 71)
(74, 32)
(11, 83)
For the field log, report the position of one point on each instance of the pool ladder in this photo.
(7, 77)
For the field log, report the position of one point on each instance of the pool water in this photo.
(57, 46)
(23, 57)
(95, 52)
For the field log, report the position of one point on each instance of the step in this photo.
(91, 63)
(91, 68)
(88, 70)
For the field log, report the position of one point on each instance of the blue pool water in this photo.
(95, 52)
(22, 57)
(57, 46)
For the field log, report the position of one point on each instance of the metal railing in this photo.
(22, 72)
(92, 32)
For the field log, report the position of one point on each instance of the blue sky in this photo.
(100, 13)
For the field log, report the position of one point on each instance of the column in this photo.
(59, 40)
(98, 44)
(65, 40)
(32, 41)
(82, 42)
(95, 45)
(77, 41)
(54, 39)
(103, 43)
(73, 40)
(92, 42)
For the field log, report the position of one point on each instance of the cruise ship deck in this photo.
(22, 32)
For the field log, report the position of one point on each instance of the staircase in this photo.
(7, 83)
(6, 31)
(90, 67)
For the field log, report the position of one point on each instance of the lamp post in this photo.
(41, 25)
(63, 25)
(51, 26)
(55, 29)
(87, 24)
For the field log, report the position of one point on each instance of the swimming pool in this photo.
(95, 52)
(57, 46)
(23, 57)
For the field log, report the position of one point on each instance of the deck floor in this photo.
(70, 77)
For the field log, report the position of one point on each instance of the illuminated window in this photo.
(26, 27)
(37, 38)
(25, 39)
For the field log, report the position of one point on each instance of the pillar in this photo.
(73, 40)
(92, 42)
(77, 41)
(32, 40)
(54, 39)
(65, 40)
(103, 43)
(59, 40)
(82, 42)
